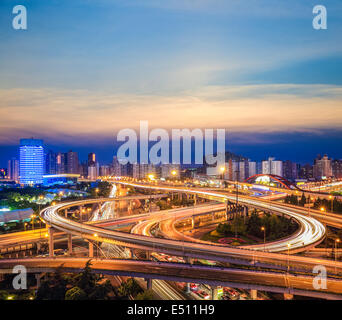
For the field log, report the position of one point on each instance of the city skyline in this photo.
(259, 70)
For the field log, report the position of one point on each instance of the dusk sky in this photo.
(85, 69)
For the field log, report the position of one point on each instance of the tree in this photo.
(75, 293)
(146, 295)
(129, 287)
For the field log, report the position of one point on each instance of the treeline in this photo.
(329, 205)
(85, 285)
(275, 226)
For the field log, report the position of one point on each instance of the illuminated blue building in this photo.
(31, 165)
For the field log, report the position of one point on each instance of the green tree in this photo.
(75, 293)
(146, 295)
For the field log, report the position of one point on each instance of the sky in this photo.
(84, 69)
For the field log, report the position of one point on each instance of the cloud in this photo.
(83, 115)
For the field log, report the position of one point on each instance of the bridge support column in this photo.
(188, 260)
(187, 288)
(51, 244)
(131, 251)
(38, 247)
(192, 222)
(38, 277)
(195, 199)
(148, 255)
(70, 244)
(91, 250)
(254, 294)
(66, 213)
(149, 284)
(288, 296)
(214, 293)
(80, 210)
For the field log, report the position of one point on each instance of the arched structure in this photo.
(271, 180)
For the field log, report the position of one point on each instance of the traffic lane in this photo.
(199, 273)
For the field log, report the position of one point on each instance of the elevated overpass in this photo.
(213, 276)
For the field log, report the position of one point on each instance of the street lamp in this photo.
(263, 229)
(332, 203)
(32, 219)
(336, 241)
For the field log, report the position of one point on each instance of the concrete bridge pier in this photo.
(187, 288)
(192, 222)
(288, 296)
(91, 249)
(131, 253)
(214, 293)
(149, 283)
(38, 247)
(38, 276)
(70, 244)
(51, 231)
(148, 255)
(188, 260)
(254, 294)
(195, 199)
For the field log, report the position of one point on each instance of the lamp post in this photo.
(264, 230)
(332, 203)
(32, 219)
(336, 241)
(325, 225)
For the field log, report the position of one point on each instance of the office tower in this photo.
(92, 172)
(72, 162)
(322, 167)
(272, 166)
(252, 168)
(13, 169)
(290, 170)
(61, 163)
(336, 166)
(91, 159)
(31, 165)
(306, 171)
(50, 163)
(104, 171)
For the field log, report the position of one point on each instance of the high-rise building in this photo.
(336, 166)
(290, 170)
(13, 169)
(252, 168)
(91, 159)
(50, 163)
(61, 163)
(92, 172)
(322, 167)
(31, 165)
(104, 171)
(72, 162)
(272, 166)
(306, 171)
